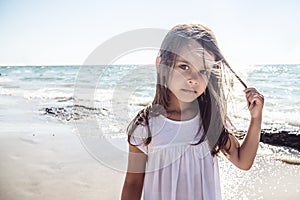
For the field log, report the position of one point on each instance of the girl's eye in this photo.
(204, 72)
(184, 67)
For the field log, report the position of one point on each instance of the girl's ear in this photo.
(157, 62)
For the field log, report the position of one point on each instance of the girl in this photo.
(174, 141)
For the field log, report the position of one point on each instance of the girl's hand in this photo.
(256, 101)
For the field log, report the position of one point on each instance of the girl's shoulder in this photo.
(138, 137)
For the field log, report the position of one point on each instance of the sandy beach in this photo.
(43, 158)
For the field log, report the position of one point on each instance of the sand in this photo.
(53, 167)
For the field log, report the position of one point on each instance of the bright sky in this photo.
(65, 32)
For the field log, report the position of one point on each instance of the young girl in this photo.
(174, 141)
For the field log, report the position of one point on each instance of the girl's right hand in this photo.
(256, 101)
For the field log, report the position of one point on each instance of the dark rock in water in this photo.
(74, 112)
(277, 137)
(281, 138)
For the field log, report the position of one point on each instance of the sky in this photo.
(66, 32)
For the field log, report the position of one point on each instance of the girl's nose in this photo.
(193, 82)
(193, 78)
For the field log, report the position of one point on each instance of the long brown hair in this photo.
(212, 103)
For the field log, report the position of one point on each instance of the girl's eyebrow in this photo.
(179, 59)
(182, 60)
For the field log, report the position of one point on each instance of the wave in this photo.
(5, 79)
(47, 93)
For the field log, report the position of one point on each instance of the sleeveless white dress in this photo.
(175, 169)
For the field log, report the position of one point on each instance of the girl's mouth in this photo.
(189, 91)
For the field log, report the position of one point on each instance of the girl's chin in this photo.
(187, 100)
(185, 97)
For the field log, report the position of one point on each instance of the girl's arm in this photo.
(244, 155)
(134, 180)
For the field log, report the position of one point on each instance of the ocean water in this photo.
(281, 88)
(114, 94)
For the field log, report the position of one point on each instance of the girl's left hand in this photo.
(256, 101)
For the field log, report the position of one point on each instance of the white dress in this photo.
(176, 169)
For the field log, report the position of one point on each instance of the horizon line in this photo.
(57, 65)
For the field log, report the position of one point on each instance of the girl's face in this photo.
(189, 77)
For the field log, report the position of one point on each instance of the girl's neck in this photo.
(182, 111)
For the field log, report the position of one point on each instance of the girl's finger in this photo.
(256, 99)
(250, 89)
(253, 97)
(250, 95)
(253, 93)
